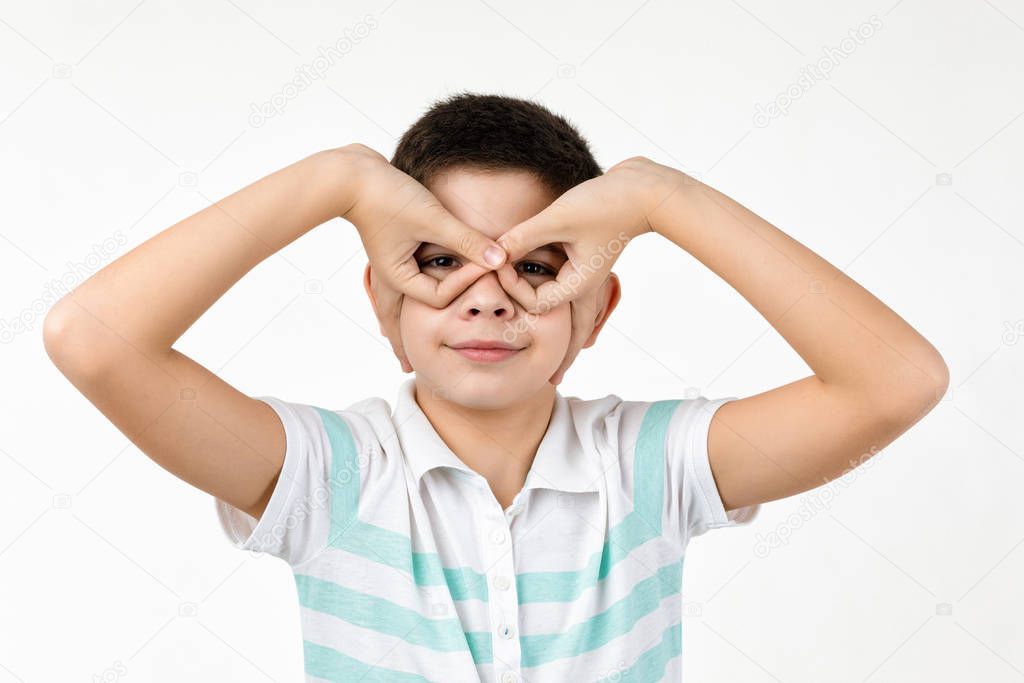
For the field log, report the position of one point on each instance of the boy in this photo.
(489, 528)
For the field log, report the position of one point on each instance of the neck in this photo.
(499, 444)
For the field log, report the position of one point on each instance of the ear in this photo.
(609, 295)
(368, 286)
(396, 342)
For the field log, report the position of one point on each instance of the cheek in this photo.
(554, 328)
(416, 323)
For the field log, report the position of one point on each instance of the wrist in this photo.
(672, 195)
(336, 169)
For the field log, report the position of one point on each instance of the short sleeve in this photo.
(693, 502)
(296, 524)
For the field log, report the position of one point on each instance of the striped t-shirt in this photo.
(408, 569)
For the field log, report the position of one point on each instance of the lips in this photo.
(485, 350)
(484, 344)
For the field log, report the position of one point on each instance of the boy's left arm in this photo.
(874, 374)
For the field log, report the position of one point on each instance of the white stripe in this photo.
(641, 564)
(386, 651)
(618, 653)
(381, 581)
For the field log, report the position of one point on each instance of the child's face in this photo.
(491, 202)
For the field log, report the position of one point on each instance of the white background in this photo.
(118, 120)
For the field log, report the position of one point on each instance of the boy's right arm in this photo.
(112, 336)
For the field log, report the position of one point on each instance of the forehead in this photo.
(490, 201)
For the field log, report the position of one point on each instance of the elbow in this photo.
(55, 330)
(66, 344)
(932, 378)
(917, 393)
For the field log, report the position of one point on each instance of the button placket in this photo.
(502, 598)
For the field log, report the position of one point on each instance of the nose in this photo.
(486, 297)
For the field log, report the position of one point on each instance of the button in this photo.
(509, 677)
(498, 536)
(506, 631)
(514, 510)
(502, 583)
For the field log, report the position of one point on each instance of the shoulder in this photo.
(370, 415)
(352, 433)
(619, 423)
(638, 438)
(607, 429)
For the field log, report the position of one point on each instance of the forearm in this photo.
(155, 292)
(849, 338)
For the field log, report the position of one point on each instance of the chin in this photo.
(487, 391)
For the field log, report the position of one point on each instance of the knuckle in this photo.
(465, 243)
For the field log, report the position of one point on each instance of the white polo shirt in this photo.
(408, 569)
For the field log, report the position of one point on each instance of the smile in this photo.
(485, 355)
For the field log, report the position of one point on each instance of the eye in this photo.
(543, 269)
(430, 262)
(534, 268)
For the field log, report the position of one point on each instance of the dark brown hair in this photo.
(496, 132)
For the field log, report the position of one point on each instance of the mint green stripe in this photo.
(329, 664)
(599, 629)
(384, 616)
(379, 614)
(464, 583)
(480, 646)
(375, 543)
(649, 464)
(650, 666)
(641, 525)
(392, 549)
(566, 586)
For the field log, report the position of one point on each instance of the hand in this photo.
(394, 214)
(593, 220)
(585, 310)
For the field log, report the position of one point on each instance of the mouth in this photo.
(485, 351)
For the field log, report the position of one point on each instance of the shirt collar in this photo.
(560, 464)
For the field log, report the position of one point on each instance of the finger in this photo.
(546, 297)
(517, 287)
(471, 244)
(543, 228)
(425, 288)
(455, 283)
(440, 293)
(568, 285)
